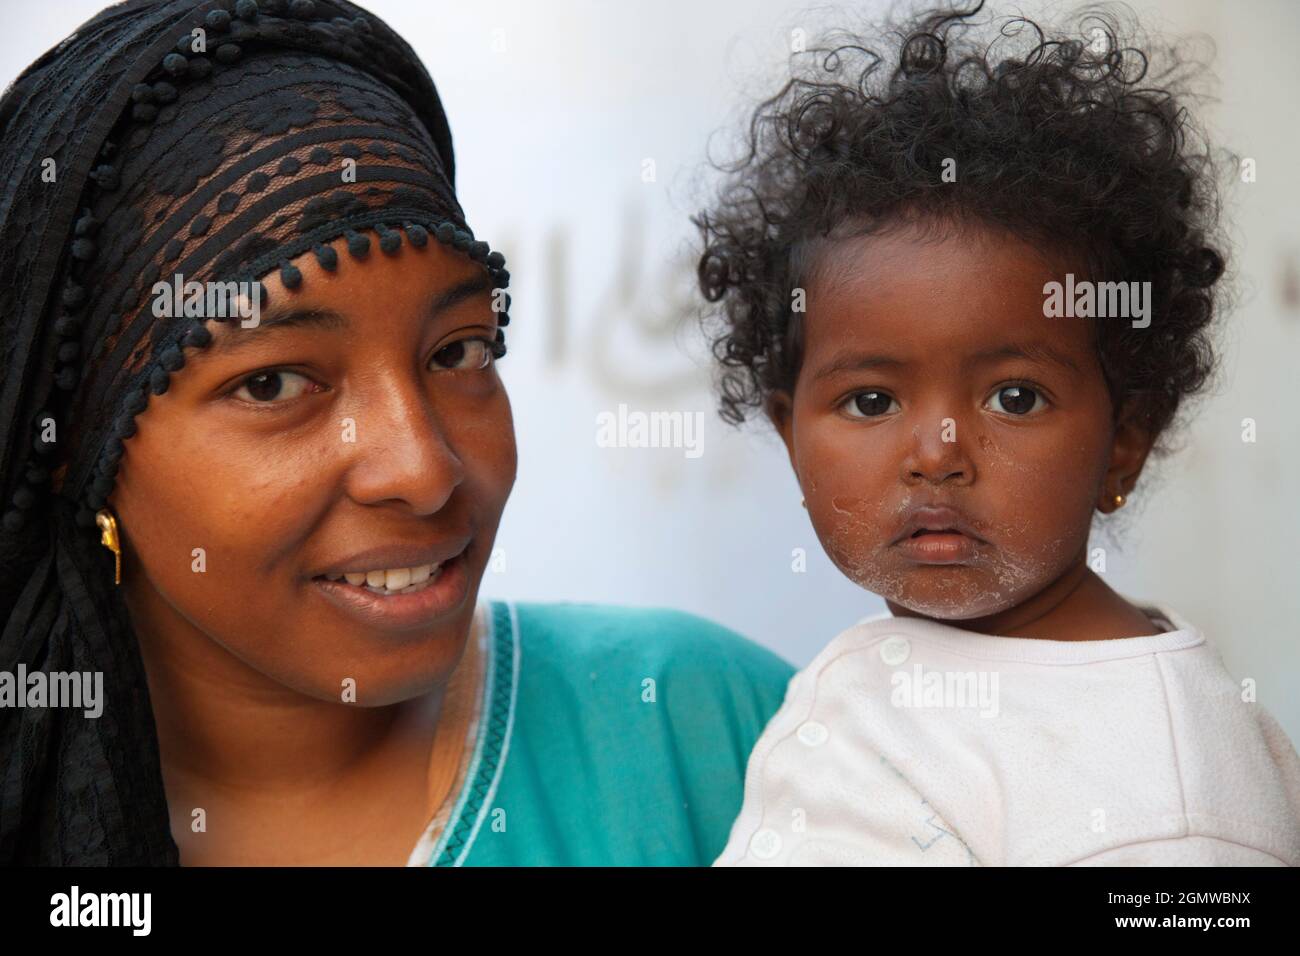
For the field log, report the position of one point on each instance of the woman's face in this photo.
(361, 426)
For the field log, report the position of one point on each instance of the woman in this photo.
(264, 518)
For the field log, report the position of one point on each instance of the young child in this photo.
(971, 285)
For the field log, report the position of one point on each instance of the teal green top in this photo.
(610, 736)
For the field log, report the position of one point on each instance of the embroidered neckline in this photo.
(492, 739)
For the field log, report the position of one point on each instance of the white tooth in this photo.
(376, 578)
(421, 574)
(357, 578)
(397, 579)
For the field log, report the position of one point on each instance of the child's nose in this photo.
(937, 455)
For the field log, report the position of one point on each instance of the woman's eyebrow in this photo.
(465, 289)
(239, 337)
(327, 319)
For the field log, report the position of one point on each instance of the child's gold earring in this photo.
(1119, 501)
(109, 539)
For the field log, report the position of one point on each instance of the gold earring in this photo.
(109, 539)
(804, 502)
(1119, 501)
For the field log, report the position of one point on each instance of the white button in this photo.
(813, 734)
(894, 651)
(765, 844)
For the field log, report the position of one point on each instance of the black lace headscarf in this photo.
(216, 140)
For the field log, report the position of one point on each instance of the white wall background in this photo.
(555, 106)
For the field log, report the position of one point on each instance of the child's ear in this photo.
(780, 412)
(1128, 454)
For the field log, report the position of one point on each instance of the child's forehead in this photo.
(956, 291)
(891, 281)
(927, 252)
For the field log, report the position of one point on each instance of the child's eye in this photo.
(869, 404)
(1016, 400)
(466, 354)
(269, 385)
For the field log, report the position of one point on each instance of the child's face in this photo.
(933, 394)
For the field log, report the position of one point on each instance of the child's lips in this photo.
(939, 547)
(936, 518)
(937, 534)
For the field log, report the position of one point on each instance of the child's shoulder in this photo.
(1047, 735)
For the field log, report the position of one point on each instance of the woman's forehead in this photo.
(414, 285)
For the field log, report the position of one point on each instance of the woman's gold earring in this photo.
(1119, 501)
(109, 539)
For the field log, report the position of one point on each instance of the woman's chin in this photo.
(368, 687)
(355, 666)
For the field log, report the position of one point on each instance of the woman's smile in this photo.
(442, 589)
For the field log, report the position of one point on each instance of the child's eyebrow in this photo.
(857, 362)
(1031, 351)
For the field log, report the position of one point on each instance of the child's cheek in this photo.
(856, 503)
(852, 532)
(1032, 504)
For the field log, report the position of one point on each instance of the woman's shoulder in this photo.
(628, 734)
(613, 660)
(640, 639)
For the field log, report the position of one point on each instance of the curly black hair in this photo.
(1072, 141)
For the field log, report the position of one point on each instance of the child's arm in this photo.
(1183, 851)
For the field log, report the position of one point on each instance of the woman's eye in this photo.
(869, 404)
(262, 388)
(468, 354)
(1015, 400)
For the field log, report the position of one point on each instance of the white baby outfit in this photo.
(909, 742)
